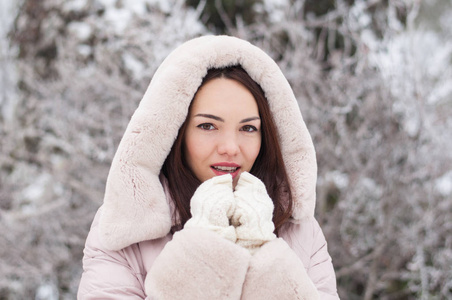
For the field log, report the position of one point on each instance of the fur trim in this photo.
(135, 207)
(211, 268)
(276, 272)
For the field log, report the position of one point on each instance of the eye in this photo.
(206, 126)
(249, 128)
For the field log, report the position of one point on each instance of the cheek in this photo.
(195, 150)
(252, 151)
(190, 150)
(256, 151)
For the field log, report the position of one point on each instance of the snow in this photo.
(445, 22)
(37, 189)
(358, 18)
(84, 50)
(443, 185)
(164, 5)
(370, 187)
(412, 125)
(8, 75)
(136, 6)
(80, 30)
(336, 177)
(7, 15)
(133, 65)
(409, 56)
(118, 19)
(276, 9)
(47, 291)
(74, 5)
(108, 3)
(416, 67)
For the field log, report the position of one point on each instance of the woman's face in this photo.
(223, 134)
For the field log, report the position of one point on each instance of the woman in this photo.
(211, 193)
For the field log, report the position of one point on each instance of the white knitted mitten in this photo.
(212, 205)
(253, 213)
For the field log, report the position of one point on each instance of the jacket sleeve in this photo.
(276, 272)
(108, 274)
(298, 264)
(321, 269)
(198, 264)
(308, 242)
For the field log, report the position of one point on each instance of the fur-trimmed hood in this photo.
(135, 206)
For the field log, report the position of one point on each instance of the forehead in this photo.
(224, 95)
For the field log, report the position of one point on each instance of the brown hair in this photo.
(268, 167)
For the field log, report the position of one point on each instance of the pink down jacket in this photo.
(130, 252)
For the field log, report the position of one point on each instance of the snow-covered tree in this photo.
(82, 66)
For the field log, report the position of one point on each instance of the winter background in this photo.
(374, 83)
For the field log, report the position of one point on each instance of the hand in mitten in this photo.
(212, 205)
(253, 213)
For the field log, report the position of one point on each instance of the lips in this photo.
(226, 168)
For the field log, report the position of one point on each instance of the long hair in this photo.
(269, 165)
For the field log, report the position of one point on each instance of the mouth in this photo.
(226, 168)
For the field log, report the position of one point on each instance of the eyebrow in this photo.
(250, 119)
(222, 120)
(210, 117)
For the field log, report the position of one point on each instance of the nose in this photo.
(228, 144)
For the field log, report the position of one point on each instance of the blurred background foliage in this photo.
(373, 81)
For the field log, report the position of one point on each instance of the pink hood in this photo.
(135, 208)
